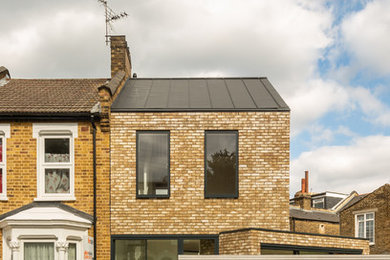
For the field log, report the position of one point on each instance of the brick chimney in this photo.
(120, 55)
(303, 198)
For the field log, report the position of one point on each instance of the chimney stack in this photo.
(120, 55)
(307, 181)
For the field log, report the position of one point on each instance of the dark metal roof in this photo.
(198, 94)
(314, 215)
(48, 204)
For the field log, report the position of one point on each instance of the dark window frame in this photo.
(297, 248)
(179, 239)
(236, 192)
(138, 196)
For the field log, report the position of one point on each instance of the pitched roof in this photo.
(49, 96)
(198, 94)
(314, 215)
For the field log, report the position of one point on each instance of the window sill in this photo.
(71, 198)
(3, 198)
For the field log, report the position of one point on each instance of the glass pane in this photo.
(57, 150)
(360, 217)
(1, 180)
(370, 230)
(370, 216)
(198, 246)
(276, 252)
(162, 249)
(72, 251)
(57, 181)
(361, 229)
(38, 251)
(1, 150)
(221, 164)
(313, 252)
(130, 250)
(153, 164)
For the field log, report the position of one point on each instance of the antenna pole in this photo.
(105, 11)
(110, 16)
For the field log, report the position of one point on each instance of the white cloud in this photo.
(317, 98)
(367, 36)
(362, 166)
(374, 110)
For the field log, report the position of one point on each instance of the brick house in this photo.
(368, 216)
(143, 177)
(317, 212)
(201, 166)
(54, 166)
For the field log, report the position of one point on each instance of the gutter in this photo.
(94, 183)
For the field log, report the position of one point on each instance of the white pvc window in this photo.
(365, 226)
(55, 161)
(4, 134)
(319, 203)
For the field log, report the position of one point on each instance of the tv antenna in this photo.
(111, 16)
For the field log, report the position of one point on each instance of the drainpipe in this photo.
(94, 184)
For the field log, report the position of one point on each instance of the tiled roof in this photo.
(49, 96)
(198, 94)
(314, 215)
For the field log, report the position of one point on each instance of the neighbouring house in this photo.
(317, 212)
(201, 166)
(368, 216)
(54, 166)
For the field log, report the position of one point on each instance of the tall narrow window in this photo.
(365, 226)
(221, 164)
(2, 164)
(55, 160)
(4, 134)
(152, 164)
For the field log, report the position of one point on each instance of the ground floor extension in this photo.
(251, 241)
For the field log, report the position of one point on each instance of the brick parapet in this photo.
(248, 242)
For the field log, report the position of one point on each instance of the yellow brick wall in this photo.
(316, 227)
(22, 175)
(263, 174)
(248, 242)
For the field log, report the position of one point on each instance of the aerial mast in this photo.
(110, 16)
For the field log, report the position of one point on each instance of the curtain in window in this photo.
(57, 181)
(38, 251)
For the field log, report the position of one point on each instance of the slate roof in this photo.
(353, 201)
(49, 96)
(198, 94)
(314, 215)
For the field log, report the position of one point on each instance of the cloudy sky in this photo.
(330, 61)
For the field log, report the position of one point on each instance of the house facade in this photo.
(147, 168)
(368, 217)
(201, 166)
(54, 166)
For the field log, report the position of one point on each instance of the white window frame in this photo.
(4, 135)
(42, 131)
(364, 214)
(318, 201)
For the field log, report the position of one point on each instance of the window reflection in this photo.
(221, 164)
(153, 163)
